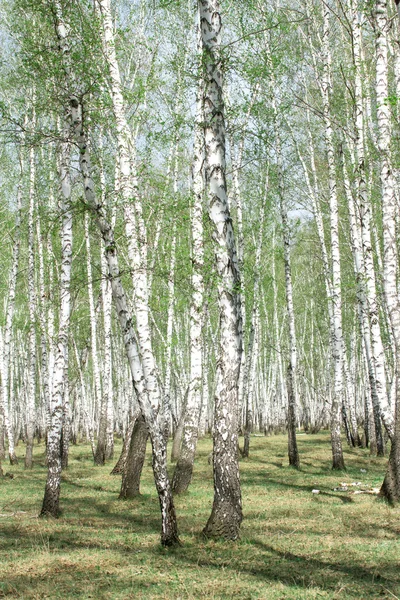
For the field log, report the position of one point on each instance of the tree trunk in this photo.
(54, 438)
(120, 464)
(337, 452)
(6, 355)
(30, 409)
(134, 460)
(226, 515)
(391, 485)
(191, 411)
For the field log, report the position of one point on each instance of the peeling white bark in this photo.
(30, 408)
(226, 514)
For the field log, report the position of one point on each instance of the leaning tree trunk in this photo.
(120, 464)
(226, 515)
(137, 252)
(150, 410)
(169, 533)
(130, 486)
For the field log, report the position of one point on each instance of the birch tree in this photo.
(391, 484)
(184, 468)
(51, 498)
(226, 515)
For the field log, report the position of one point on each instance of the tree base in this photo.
(51, 504)
(338, 466)
(182, 476)
(100, 458)
(28, 464)
(130, 486)
(224, 522)
(169, 533)
(390, 489)
(13, 459)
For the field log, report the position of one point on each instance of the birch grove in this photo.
(200, 219)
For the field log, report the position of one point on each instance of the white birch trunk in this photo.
(169, 533)
(87, 420)
(98, 398)
(251, 361)
(378, 386)
(43, 302)
(54, 451)
(167, 408)
(391, 485)
(337, 452)
(30, 409)
(5, 379)
(128, 187)
(107, 377)
(281, 399)
(184, 468)
(226, 514)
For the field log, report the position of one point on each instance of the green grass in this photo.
(294, 544)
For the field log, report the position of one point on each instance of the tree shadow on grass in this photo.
(142, 511)
(80, 581)
(98, 526)
(251, 558)
(272, 564)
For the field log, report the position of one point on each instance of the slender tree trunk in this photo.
(253, 346)
(99, 456)
(54, 439)
(167, 404)
(184, 468)
(391, 485)
(86, 416)
(137, 252)
(106, 293)
(237, 159)
(337, 452)
(5, 375)
(30, 416)
(362, 296)
(107, 376)
(294, 459)
(281, 397)
(378, 387)
(43, 302)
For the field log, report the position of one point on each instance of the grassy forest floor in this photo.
(294, 544)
